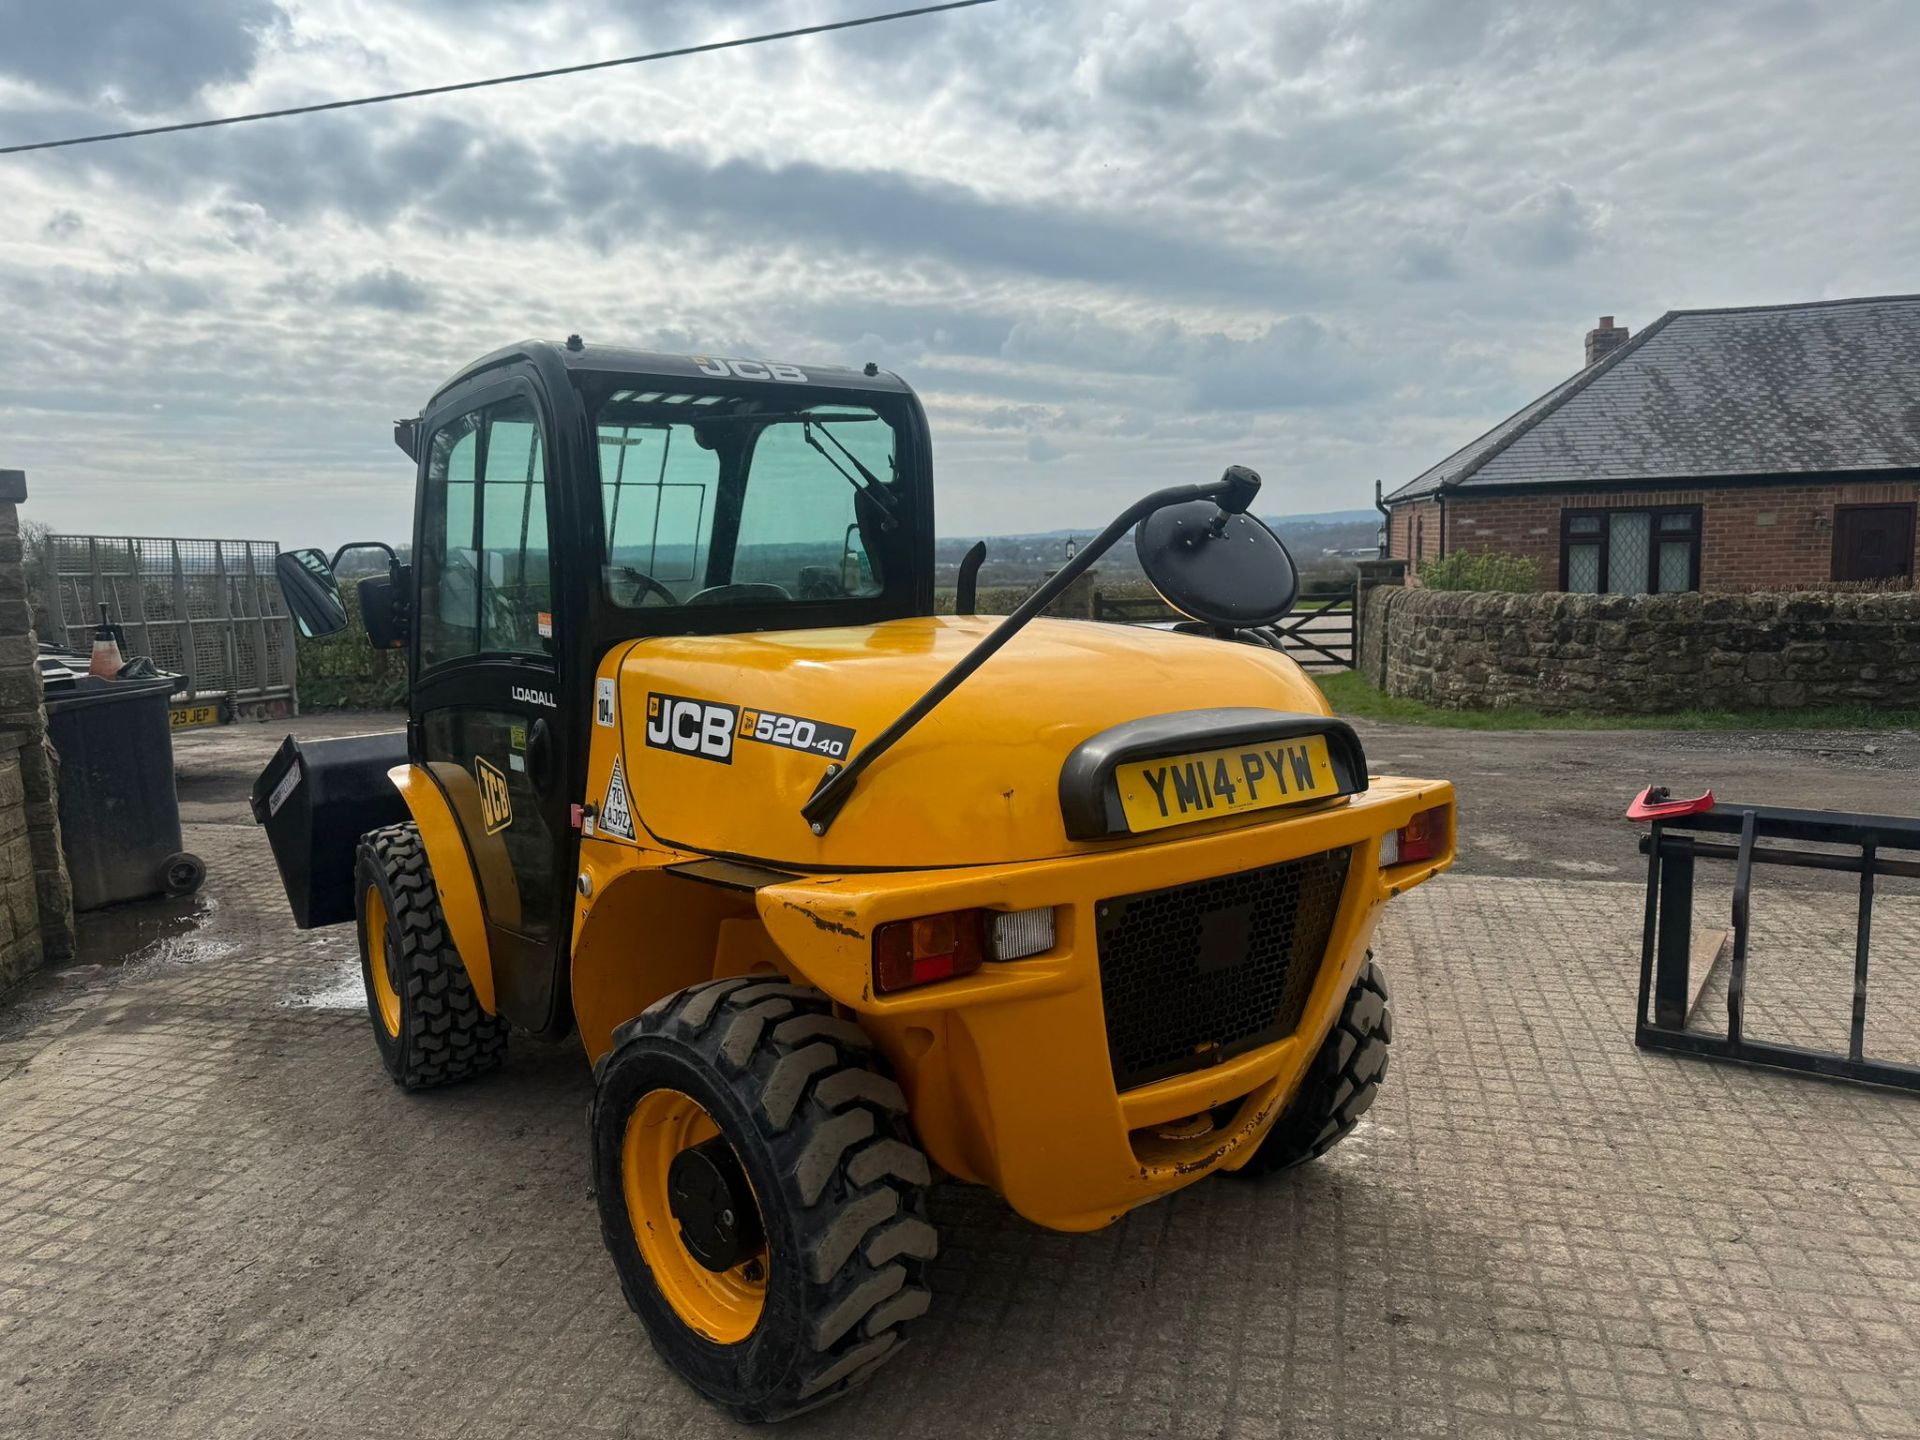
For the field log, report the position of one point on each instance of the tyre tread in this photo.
(811, 1085)
(1341, 1082)
(449, 1037)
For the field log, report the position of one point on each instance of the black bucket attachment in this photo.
(316, 799)
(1687, 831)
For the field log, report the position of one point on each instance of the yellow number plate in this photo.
(1174, 791)
(189, 717)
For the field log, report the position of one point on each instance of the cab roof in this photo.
(620, 360)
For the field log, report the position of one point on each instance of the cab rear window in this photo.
(710, 499)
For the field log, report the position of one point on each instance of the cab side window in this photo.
(485, 567)
(449, 603)
(516, 582)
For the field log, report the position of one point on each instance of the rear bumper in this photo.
(1008, 1071)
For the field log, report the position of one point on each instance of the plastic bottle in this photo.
(106, 650)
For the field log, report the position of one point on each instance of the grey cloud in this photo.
(1014, 417)
(357, 165)
(905, 328)
(385, 289)
(453, 177)
(63, 225)
(1081, 341)
(1020, 391)
(748, 203)
(1293, 362)
(242, 224)
(1420, 259)
(1153, 64)
(146, 54)
(1042, 451)
(142, 288)
(1549, 227)
(1416, 39)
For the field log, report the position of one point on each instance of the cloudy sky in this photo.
(1113, 245)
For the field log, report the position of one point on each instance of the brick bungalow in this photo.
(1771, 447)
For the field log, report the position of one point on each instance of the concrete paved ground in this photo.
(217, 1217)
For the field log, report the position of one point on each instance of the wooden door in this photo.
(1873, 542)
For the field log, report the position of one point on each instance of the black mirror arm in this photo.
(393, 556)
(1231, 492)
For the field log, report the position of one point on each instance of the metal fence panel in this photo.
(207, 609)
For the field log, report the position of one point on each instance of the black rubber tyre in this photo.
(821, 1135)
(1340, 1084)
(434, 1031)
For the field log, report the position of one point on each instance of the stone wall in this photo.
(1640, 654)
(36, 901)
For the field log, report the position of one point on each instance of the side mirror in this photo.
(383, 607)
(1215, 563)
(313, 595)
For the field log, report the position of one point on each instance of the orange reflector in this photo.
(907, 953)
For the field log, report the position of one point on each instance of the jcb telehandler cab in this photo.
(839, 893)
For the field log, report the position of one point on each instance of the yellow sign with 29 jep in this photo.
(1209, 783)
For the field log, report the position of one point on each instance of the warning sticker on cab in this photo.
(616, 815)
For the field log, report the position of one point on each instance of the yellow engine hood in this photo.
(977, 782)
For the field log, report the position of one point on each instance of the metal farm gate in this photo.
(1319, 634)
(207, 609)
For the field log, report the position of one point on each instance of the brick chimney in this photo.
(1606, 338)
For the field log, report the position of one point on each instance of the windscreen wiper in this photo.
(872, 487)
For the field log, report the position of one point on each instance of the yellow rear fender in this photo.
(444, 801)
(645, 932)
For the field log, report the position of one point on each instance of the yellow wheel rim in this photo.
(723, 1305)
(379, 962)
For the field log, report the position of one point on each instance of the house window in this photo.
(1630, 552)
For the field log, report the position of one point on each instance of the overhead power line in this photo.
(739, 42)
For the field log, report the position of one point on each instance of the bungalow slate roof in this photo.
(1781, 389)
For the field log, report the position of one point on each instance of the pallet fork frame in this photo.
(1672, 846)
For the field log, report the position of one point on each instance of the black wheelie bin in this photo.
(119, 813)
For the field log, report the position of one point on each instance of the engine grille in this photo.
(1194, 974)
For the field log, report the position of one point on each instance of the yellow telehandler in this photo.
(840, 894)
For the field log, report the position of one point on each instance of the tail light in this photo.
(1421, 838)
(907, 953)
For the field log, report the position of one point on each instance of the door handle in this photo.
(540, 758)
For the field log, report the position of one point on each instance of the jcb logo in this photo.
(749, 370)
(496, 805)
(692, 727)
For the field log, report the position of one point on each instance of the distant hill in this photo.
(1278, 522)
(1323, 546)
(1369, 516)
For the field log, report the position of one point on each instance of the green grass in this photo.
(1351, 695)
